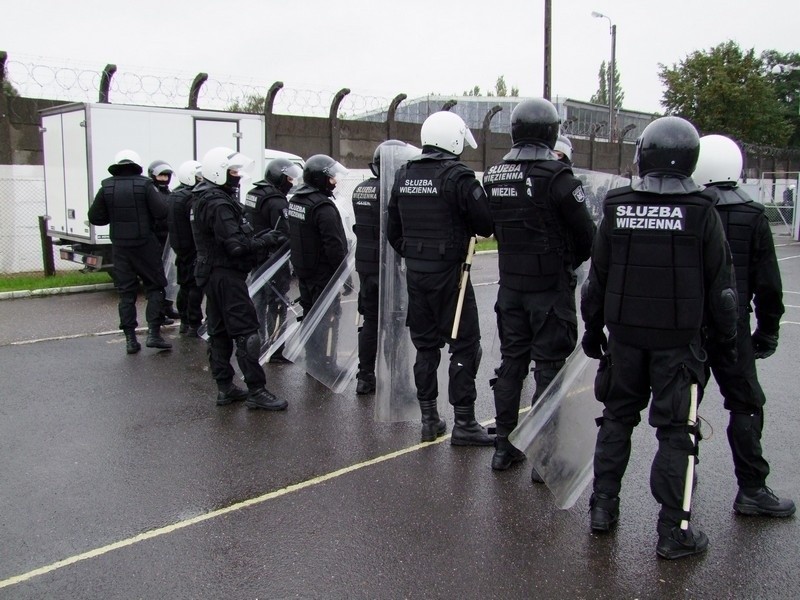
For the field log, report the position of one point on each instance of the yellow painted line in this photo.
(154, 533)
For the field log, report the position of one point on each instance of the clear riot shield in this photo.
(395, 390)
(275, 297)
(170, 271)
(326, 343)
(596, 186)
(558, 434)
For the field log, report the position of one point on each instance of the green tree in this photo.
(252, 103)
(724, 90)
(601, 96)
(475, 91)
(500, 87)
(787, 88)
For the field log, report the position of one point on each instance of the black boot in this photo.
(432, 425)
(505, 454)
(132, 345)
(191, 331)
(366, 384)
(263, 399)
(467, 431)
(230, 393)
(169, 310)
(154, 339)
(674, 542)
(762, 502)
(603, 512)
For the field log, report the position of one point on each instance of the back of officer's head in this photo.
(126, 162)
(375, 165)
(535, 121)
(446, 131)
(669, 146)
(720, 161)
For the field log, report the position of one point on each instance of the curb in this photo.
(72, 289)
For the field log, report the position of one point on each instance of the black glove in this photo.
(764, 344)
(594, 343)
(269, 238)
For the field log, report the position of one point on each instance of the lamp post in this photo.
(611, 71)
(779, 69)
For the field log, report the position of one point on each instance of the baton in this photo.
(687, 485)
(462, 285)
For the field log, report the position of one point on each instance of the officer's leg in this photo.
(127, 284)
(465, 358)
(673, 372)
(623, 387)
(557, 335)
(260, 302)
(367, 334)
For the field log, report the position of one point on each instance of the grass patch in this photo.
(37, 281)
(486, 244)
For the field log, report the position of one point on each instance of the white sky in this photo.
(381, 48)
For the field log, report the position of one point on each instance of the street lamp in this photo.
(780, 69)
(611, 71)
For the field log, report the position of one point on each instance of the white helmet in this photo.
(720, 161)
(218, 161)
(189, 171)
(446, 131)
(564, 145)
(127, 157)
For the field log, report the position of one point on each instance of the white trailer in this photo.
(81, 140)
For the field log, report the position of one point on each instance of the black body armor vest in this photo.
(367, 209)
(304, 240)
(130, 221)
(210, 252)
(254, 203)
(181, 238)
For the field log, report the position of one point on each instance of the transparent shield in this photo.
(596, 185)
(395, 390)
(170, 271)
(275, 295)
(326, 342)
(558, 434)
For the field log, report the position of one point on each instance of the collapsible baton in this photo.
(687, 486)
(462, 286)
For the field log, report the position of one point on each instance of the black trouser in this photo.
(368, 334)
(542, 326)
(311, 289)
(270, 303)
(132, 263)
(432, 299)
(744, 398)
(232, 319)
(624, 386)
(189, 301)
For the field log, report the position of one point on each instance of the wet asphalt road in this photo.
(120, 478)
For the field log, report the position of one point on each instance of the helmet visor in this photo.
(469, 139)
(336, 171)
(293, 172)
(241, 163)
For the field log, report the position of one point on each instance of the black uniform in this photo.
(226, 252)
(660, 263)
(435, 207)
(758, 281)
(266, 208)
(367, 209)
(543, 233)
(317, 241)
(190, 296)
(131, 205)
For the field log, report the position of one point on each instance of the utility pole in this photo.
(548, 15)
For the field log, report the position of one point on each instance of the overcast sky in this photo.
(382, 48)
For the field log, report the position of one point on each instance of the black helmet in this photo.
(535, 121)
(375, 165)
(282, 173)
(668, 145)
(319, 171)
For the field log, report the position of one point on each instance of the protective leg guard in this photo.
(505, 454)
(154, 339)
(603, 512)
(467, 431)
(432, 425)
(132, 345)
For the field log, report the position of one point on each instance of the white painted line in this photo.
(790, 322)
(789, 257)
(154, 533)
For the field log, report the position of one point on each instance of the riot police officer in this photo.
(660, 262)
(266, 207)
(131, 205)
(226, 252)
(367, 210)
(160, 172)
(543, 233)
(563, 149)
(316, 235)
(190, 296)
(436, 206)
(758, 281)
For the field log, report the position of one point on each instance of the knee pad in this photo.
(248, 346)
